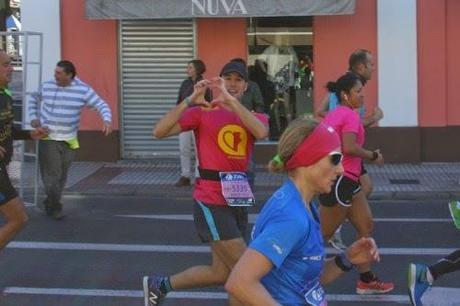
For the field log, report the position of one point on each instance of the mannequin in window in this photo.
(304, 78)
(282, 62)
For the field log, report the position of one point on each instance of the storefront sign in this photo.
(168, 9)
(218, 7)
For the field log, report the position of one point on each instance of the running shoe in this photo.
(152, 294)
(373, 287)
(337, 243)
(417, 283)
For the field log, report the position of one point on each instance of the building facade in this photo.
(134, 55)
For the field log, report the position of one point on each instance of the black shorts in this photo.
(214, 223)
(342, 192)
(7, 191)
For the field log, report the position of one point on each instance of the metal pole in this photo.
(37, 168)
(24, 60)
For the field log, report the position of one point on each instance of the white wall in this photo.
(397, 61)
(44, 16)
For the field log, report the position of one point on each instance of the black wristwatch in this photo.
(343, 263)
(375, 155)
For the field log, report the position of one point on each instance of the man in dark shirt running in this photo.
(11, 207)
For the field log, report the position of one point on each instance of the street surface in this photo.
(99, 253)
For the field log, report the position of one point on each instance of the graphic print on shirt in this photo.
(232, 140)
(6, 120)
(314, 293)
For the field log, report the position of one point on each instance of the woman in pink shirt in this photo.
(346, 199)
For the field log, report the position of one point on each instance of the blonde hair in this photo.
(291, 138)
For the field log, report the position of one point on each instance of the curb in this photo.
(415, 195)
(263, 194)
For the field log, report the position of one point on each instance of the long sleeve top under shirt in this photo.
(61, 107)
(8, 132)
(252, 98)
(186, 89)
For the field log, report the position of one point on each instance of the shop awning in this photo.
(173, 9)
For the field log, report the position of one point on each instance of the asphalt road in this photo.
(99, 253)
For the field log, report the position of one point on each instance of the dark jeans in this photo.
(55, 158)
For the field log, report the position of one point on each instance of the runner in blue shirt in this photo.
(285, 261)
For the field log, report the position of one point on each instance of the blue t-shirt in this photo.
(334, 103)
(290, 237)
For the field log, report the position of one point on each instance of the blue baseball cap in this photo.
(235, 67)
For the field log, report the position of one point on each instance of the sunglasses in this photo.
(335, 158)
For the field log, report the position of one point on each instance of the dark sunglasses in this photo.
(336, 158)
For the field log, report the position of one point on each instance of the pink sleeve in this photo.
(190, 119)
(262, 117)
(351, 123)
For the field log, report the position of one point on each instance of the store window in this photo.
(10, 22)
(280, 62)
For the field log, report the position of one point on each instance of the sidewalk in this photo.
(393, 181)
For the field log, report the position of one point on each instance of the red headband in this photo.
(318, 144)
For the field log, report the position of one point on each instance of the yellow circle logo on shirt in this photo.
(233, 139)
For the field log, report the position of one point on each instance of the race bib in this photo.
(314, 294)
(236, 189)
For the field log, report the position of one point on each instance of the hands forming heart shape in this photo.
(218, 83)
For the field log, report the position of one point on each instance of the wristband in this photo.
(277, 159)
(343, 263)
(188, 101)
(375, 155)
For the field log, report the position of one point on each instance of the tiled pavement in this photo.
(154, 177)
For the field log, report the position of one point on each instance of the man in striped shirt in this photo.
(57, 106)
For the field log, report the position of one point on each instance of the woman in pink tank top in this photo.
(346, 199)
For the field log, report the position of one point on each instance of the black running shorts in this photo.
(7, 191)
(214, 223)
(342, 192)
